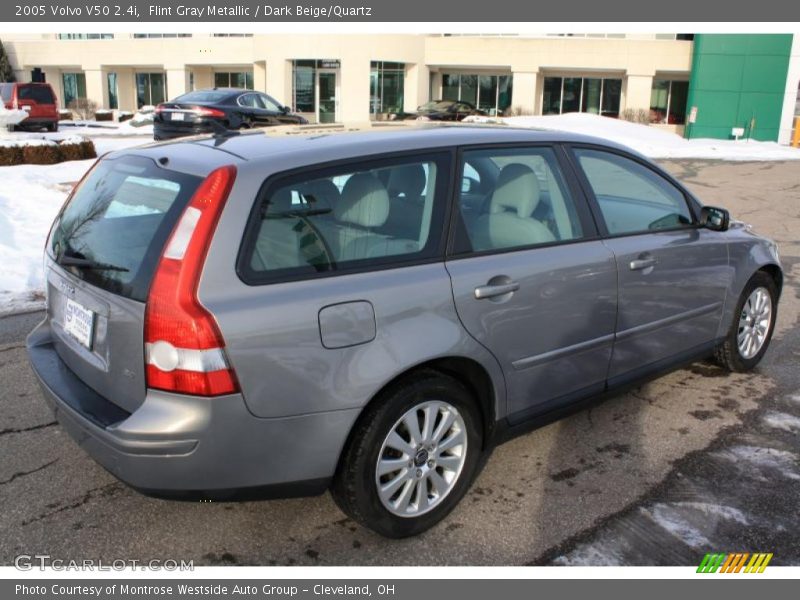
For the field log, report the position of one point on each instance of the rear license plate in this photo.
(79, 322)
(178, 116)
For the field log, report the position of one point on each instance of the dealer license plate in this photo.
(79, 322)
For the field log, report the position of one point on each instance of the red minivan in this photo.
(38, 99)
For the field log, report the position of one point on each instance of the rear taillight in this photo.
(184, 349)
(205, 111)
(159, 109)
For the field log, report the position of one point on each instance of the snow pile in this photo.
(10, 117)
(30, 198)
(649, 140)
(40, 140)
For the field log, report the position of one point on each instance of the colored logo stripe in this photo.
(734, 562)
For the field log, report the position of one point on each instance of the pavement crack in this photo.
(27, 429)
(31, 472)
(103, 490)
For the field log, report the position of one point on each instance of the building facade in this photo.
(331, 78)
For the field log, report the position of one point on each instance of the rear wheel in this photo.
(411, 457)
(52, 126)
(753, 323)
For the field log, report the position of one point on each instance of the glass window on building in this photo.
(668, 101)
(303, 73)
(490, 93)
(113, 97)
(86, 36)
(386, 86)
(594, 95)
(234, 79)
(74, 87)
(158, 36)
(151, 89)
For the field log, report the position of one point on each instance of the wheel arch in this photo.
(468, 371)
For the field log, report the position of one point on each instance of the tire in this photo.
(53, 127)
(355, 485)
(730, 354)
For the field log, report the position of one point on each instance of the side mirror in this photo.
(285, 110)
(714, 218)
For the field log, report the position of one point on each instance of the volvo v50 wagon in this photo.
(371, 312)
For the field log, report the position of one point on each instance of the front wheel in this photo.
(411, 457)
(752, 327)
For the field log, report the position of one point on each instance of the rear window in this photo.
(41, 94)
(121, 217)
(203, 96)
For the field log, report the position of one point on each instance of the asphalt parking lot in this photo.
(696, 461)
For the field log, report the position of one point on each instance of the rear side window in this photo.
(41, 94)
(631, 197)
(121, 217)
(346, 219)
(515, 198)
(6, 91)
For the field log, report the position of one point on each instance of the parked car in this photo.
(443, 110)
(276, 315)
(37, 99)
(204, 111)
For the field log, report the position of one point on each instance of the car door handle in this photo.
(642, 263)
(491, 291)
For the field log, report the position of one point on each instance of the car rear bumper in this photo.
(189, 447)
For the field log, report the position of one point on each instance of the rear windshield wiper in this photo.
(85, 263)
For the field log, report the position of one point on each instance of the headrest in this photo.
(324, 191)
(408, 180)
(364, 201)
(281, 201)
(517, 189)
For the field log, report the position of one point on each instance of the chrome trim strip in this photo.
(530, 361)
(653, 325)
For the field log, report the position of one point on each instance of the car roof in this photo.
(324, 143)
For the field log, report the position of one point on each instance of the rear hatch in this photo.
(38, 99)
(101, 258)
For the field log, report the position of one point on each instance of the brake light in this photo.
(205, 111)
(184, 349)
(159, 109)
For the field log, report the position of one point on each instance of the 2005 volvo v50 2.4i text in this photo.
(370, 312)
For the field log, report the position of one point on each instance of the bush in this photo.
(517, 111)
(46, 154)
(41, 155)
(64, 115)
(103, 115)
(635, 115)
(83, 108)
(10, 156)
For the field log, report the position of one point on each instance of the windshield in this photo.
(119, 219)
(436, 105)
(41, 94)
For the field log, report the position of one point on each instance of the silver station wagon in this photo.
(371, 312)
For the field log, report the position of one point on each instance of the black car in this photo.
(444, 110)
(207, 111)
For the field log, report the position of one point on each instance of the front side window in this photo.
(347, 218)
(632, 198)
(514, 198)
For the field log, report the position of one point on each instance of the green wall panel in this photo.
(736, 78)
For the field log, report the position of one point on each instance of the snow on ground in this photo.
(652, 141)
(30, 197)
